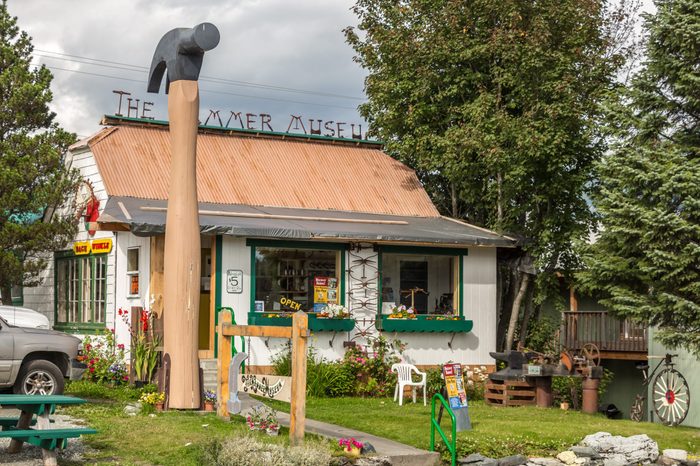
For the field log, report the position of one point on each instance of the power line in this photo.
(139, 68)
(247, 96)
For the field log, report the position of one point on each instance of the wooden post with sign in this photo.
(298, 333)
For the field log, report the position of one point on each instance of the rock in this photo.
(676, 454)
(615, 460)
(690, 463)
(133, 408)
(373, 461)
(623, 450)
(475, 459)
(515, 460)
(667, 461)
(368, 448)
(544, 462)
(582, 461)
(567, 457)
(584, 452)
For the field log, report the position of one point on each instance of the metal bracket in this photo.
(330, 342)
(449, 343)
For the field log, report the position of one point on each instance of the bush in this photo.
(95, 390)
(474, 382)
(564, 388)
(250, 451)
(543, 336)
(323, 378)
(105, 359)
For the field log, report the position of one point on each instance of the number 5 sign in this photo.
(234, 281)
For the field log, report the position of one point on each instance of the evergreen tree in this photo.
(33, 177)
(495, 105)
(646, 261)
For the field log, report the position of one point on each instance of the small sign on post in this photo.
(456, 395)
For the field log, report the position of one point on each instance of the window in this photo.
(132, 271)
(428, 283)
(81, 289)
(285, 278)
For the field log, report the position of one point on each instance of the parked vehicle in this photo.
(36, 361)
(24, 317)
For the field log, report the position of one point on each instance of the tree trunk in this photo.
(455, 208)
(524, 283)
(529, 307)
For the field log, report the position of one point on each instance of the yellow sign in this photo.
(96, 246)
(81, 248)
(291, 303)
(101, 246)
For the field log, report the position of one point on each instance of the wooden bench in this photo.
(48, 439)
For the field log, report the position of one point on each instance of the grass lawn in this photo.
(496, 431)
(169, 438)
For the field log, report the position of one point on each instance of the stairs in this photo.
(208, 374)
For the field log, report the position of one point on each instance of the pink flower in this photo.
(120, 346)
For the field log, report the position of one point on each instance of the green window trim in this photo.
(81, 327)
(284, 244)
(458, 253)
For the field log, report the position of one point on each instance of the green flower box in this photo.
(424, 325)
(315, 324)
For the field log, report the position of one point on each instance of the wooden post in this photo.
(182, 248)
(300, 331)
(222, 363)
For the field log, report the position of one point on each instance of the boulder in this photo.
(635, 449)
(515, 460)
(544, 462)
(676, 454)
(664, 460)
(584, 452)
(475, 459)
(567, 457)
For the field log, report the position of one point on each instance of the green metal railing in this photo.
(216, 333)
(435, 425)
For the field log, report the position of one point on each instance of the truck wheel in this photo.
(39, 377)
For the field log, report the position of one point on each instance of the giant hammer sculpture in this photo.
(181, 51)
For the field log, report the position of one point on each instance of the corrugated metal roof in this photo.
(263, 170)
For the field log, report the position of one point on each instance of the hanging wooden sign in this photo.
(268, 386)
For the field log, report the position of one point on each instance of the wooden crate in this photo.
(510, 393)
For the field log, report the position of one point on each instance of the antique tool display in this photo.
(180, 52)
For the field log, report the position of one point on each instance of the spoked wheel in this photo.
(671, 397)
(637, 411)
(591, 353)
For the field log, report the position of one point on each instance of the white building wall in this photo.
(121, 298)
(41, 297)
(479, 283)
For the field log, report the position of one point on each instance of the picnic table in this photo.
(20, 430)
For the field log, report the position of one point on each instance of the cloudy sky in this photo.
(96, 46)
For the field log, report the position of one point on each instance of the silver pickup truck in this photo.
(35, 361)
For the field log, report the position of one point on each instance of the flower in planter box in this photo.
(338, 311)
(402, 312)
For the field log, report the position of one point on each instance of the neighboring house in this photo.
(279, 215)
(623, 345)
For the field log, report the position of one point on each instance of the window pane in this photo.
(132, 260)
(288, 274)
(85, 298)
(62, 290)
(425, 282)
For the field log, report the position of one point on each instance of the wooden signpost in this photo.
(298, 333)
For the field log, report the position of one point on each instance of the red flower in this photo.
(92, 368)
(120, 346)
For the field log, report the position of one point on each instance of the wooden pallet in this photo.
(510, 393)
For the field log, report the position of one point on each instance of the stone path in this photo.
(398, 453)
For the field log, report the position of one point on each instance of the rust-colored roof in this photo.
(263, 170)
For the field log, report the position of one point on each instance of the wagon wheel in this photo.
(671, 397)
(591, 352)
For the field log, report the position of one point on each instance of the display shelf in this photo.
(421, 324)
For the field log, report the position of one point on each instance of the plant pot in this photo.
(353, 452)
(160, 406)
(564, 406)
(273, 431)
(208, 406)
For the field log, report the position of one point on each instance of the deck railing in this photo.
(608, 333)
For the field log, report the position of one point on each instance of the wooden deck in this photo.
(616, 339)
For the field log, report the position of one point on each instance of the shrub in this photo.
(564, 388)
(543, 336)
(250, 451)
(323, 378)
(474, 382)
(105, 359)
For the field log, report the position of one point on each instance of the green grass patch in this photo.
(496, 431)
(166, 438)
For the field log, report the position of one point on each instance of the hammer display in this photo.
(180, 52)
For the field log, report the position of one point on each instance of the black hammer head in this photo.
(181, 51)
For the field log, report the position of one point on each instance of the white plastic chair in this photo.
(404, 373)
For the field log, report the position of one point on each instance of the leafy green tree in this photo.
(646, 260)
(495, 105)
(33, 177)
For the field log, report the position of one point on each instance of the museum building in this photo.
(288, 222)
